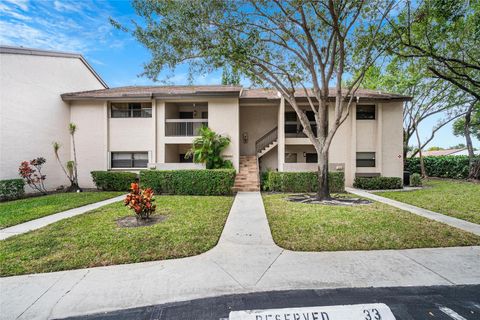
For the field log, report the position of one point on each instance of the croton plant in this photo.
(141, 201)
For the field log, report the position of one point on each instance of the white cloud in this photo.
(68, 6)
(22, 4)
(59, 25)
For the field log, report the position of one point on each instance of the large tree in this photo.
(298, 47)
(430, 97)
(445, 36)
(467, 126)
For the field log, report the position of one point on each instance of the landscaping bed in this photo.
(192, 225)
(318, 227)
(456, 198)
(18, 211)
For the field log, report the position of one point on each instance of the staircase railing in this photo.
(266, 139)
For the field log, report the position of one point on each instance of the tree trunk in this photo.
(423, 172)
(75, 185)
(468, 140)
(323, 191)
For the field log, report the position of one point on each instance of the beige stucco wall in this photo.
(32, 113)
(131, 134)
(224, 118)
(392, 143)
(91, 138)
(255, 121)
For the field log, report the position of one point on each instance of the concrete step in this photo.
(247, 179)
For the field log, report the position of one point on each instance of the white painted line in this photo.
(452, 314)
(372, 311)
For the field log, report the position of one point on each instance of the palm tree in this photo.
(72, 128)
(72, 173)
(208, 149)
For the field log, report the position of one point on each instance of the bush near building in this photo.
(415, 180)
(301, 181)
(11, 189)
(189, 182)
(113, 180)
(378, 183)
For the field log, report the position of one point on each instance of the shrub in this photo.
(208, 149)
(113, 180)
(11, 189)
(140, 201)
(31, 172)
(415, 180)
(454, 167)
(378, 183)
(191, 182)
(301, 181)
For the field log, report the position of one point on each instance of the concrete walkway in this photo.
(245, 260)
(451, 221)
(42, 222)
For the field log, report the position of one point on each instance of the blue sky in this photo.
(82, 26)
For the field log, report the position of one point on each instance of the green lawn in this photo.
(311, 227)
(459, 199)
(193, 226)
(18, 211)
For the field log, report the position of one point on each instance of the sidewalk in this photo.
(454, 222)
(44, 221)
(245, 260)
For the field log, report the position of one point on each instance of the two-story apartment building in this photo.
(130, 128)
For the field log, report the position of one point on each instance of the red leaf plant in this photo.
(31, 172)
(141, 201)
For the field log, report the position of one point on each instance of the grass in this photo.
(456, 198)
(193, 226)
(310, 227)
(18, 211)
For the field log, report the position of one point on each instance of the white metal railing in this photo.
(183, 127)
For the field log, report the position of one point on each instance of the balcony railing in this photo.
(184, 127)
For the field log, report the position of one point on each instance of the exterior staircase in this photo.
(247, 179)
(266, 143)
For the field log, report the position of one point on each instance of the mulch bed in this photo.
(133, 222)
(335, 201)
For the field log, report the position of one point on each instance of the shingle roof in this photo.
(209, 90)
(438, 153)
(360, 93)
(153, 92)
(50, 53)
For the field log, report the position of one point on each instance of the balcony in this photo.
(183, 127)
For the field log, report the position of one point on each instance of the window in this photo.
(131, 110)
(129, 159)
(366, 112)
(290, 158)
(365, 159)
(204, 114)
(311, 158)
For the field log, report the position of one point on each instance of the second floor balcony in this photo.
(184, 127)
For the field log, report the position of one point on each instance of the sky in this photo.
(83, 27)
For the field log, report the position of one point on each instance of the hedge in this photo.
(11, 189)
(454, 167)
(415, 180)
(378, 183)
(301, 181)
(113, 180)
(210, 182)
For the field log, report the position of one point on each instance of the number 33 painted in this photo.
(372, 314)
